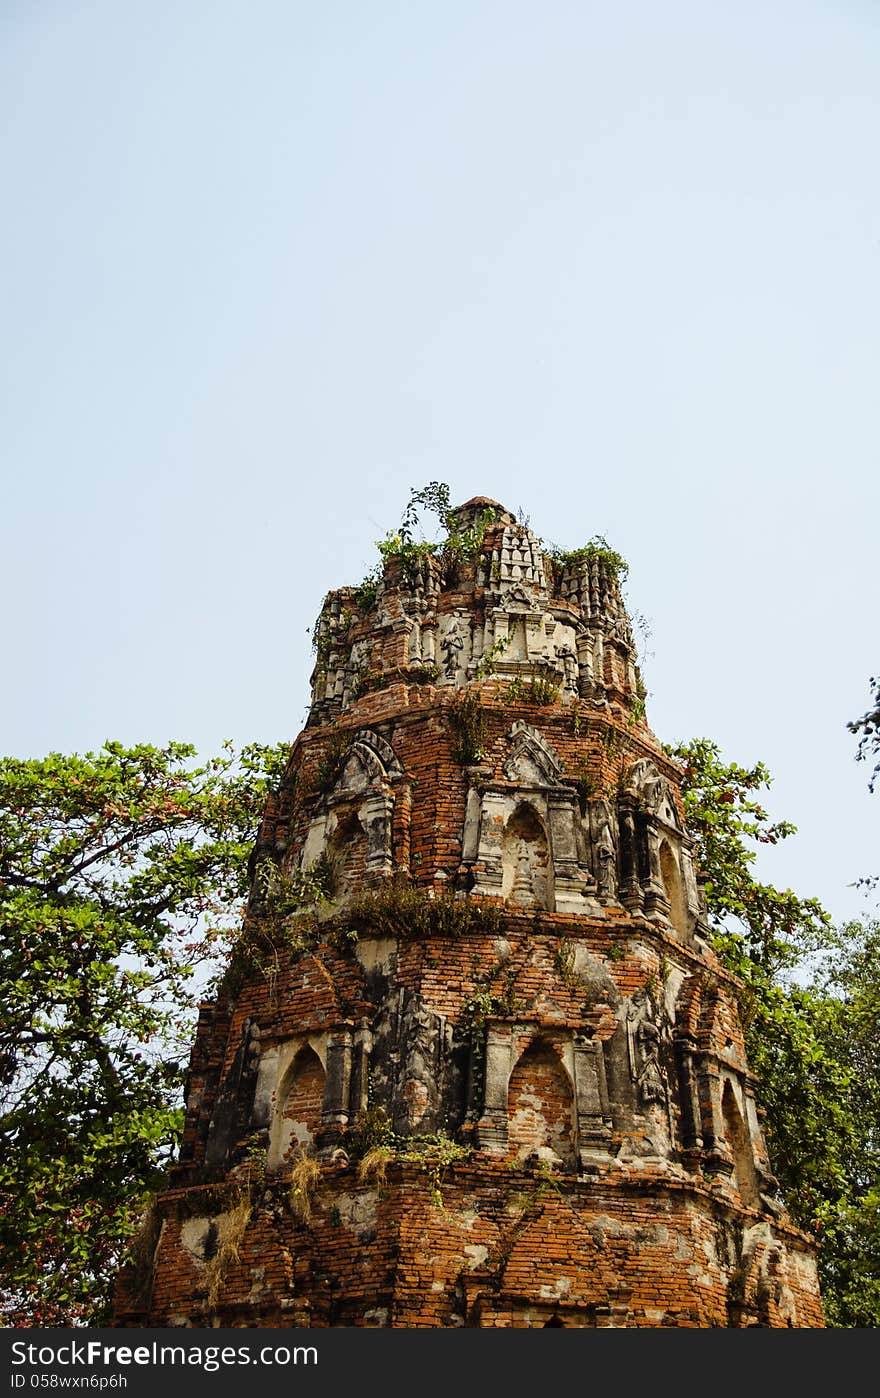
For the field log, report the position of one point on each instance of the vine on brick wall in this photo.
(467, 720)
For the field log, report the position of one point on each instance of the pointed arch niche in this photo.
(352, 822)
(674, 889)
(299, 1101)
(657, 873)
(523, 837)
(740, 1147)
(540, 1106)
(526, 868)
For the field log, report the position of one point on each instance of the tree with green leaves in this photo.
(120, 873)
(811, 1012)
(867, 728)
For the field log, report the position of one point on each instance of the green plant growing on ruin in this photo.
(543, 690)
(611, 742)
(584, 782)
(467, 719)
(636, 710)
(457, 547)
(483, 1004)
(260, 950)
(434, 1154)
(540, 688)
(371, 1131)
(366, 595)
(490, 657)
(277, 929)
(282, 892)
(331, 761)
(546, 1183)
(596, 551)
(142, 1247)
(423, 672)
(563, 960)
(334, 636)
(401, 910)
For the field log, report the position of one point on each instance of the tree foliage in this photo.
(867, 729)
(120, 871)
(811, 1011)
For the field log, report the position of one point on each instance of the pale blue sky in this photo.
(266, 266)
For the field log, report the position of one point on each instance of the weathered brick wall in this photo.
(500, 1247)
(512, 1090)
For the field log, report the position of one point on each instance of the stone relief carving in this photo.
(551, 867)
(653, 792)
(421, 1033)
(604, 850)
(567, 657)
(368, 761)
(520, 599)
(452, 644)
(530, 759)
(645, 1026)
(369, 767)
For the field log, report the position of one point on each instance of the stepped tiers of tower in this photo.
(495, 1074)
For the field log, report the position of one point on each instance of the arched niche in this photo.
(346, 851)
(675, 893)
(523, 838)
(298, 1106)
(526, 867)
(739, 1145)
(358, 809)
(540, 1106)
(656, 874)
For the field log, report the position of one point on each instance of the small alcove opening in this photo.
(740, 1147)
(526, 877)
(540, 1106)
(298, 1113)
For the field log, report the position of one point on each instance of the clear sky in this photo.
(266, 266)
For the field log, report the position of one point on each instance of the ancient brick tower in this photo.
(495, 1077)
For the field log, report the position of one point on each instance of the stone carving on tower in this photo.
(475, 960)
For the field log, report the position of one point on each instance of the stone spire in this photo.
(475, 1062)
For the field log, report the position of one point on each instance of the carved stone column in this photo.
(267, 1077)
(717, 1161)
(335, 1110)
(375, 818)
(360, 1069)
(689, 1097)
(630, 885)
(492, 1126)
(493, 814)
(571, 880)
(656, 902)
(429, 641)
(591, 1103)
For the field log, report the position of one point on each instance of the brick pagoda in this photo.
(475, 1062)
